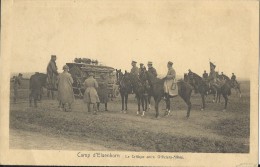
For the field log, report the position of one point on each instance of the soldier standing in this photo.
(90, 95)
(65, 90)
(103, 91)
(52, 75)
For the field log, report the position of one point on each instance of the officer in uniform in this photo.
(233, 79)
(135, 69)
(205, 75)
(151, 69)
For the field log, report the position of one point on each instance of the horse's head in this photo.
(119, 75)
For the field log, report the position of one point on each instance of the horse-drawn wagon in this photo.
(80, 70)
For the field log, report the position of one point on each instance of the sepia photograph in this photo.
(150, 83)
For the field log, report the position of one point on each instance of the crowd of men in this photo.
(62, 83)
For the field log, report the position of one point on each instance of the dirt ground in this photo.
(210, 130)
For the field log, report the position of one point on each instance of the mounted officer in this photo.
(170, 81)
(141, 69)
(212, 75)
(205, 75)
(135, 69)
(151, 69)
(233, 79)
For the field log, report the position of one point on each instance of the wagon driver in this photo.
(90, 95)
(65, 90)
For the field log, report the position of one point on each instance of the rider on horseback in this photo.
(151, 69)
(170, 83)
(135, 69)
(205, 75)
(212, 75)
(233, 80)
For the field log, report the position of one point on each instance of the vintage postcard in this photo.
(129, 82)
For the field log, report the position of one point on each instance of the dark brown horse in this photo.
(222, 88)
(157, 85)
(125, 88)
(201, 86)
(37, 82)
(140, 88)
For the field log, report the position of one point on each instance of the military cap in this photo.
(20, 74)
(150, 63)
(170, 63)
(53, 56)
(134, 62)
(141, 64)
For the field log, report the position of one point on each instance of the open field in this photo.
(210, 130)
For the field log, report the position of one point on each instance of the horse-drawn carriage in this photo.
(80, 70)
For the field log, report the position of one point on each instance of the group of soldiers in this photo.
(214, 76)
(137, 71)
(63, 82)
(170, 81)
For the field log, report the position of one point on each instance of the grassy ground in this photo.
(210, 130)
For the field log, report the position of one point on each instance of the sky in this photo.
(188, 33)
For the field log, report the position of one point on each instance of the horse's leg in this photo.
(35, 101)
(219, 97)
(203, 101)
(143, 105)
(52, 95)
(123, 101)
(126, 101)
(157, 101)
(30, 99)
(138, 102)
(149, 102)
(226, 101)
(168, 106)
(238, 87)
(48, 93)
(186, 98)
(189, 106)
